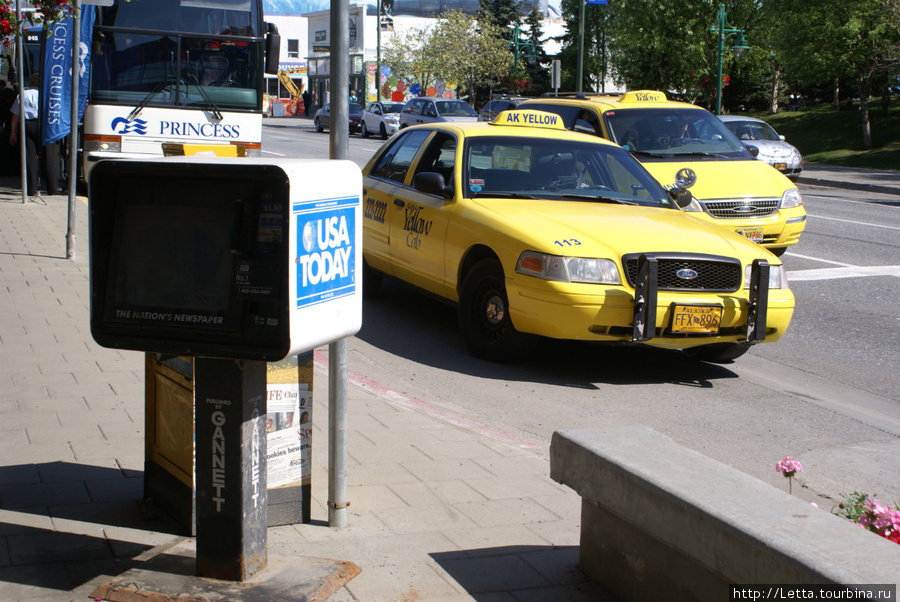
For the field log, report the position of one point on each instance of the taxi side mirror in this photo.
(431, 182)
(681, 196)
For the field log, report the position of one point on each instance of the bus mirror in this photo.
(224, 256)
(273, 49)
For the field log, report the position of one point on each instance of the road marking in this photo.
(843, 272)
(846, 265)
(848, 221)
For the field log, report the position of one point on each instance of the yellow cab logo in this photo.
(643, 96)
(530, 119)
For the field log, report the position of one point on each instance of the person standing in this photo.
(306, 101)
(29, 109)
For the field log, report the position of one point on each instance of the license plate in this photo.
(780, 165)
(754, 234)
(703, 319)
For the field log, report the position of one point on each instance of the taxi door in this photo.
(385, 184)
(419, 221)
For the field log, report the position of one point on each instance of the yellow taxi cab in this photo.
(733, 189)
(534, 231)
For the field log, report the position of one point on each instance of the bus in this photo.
(176, 71)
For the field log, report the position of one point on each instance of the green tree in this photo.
(599, 28)
(411, 56)
(501, 15)
(826, 39)
(471, 54)
(537, 67)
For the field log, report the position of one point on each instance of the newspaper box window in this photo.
(224, 257)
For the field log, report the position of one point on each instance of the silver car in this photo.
(772, 147)
(432, 110)
(381, 118)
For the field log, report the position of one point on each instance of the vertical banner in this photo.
(56, 75)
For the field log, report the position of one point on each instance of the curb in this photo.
(849, 185)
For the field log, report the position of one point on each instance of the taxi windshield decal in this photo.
(529, 118)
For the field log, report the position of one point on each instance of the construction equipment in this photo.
(296, 93)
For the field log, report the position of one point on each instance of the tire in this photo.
(484, 315)
(718, 353)
(371, 282)
(384, 135)
(779, 251)
(319, 127)
(363, 130)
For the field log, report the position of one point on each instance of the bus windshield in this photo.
(179, 53)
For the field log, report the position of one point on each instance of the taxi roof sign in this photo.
(644, 96)
(529, 119)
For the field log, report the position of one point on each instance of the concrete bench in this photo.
(662, 522)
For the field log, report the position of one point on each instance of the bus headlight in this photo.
(568, 269)
(104, 144)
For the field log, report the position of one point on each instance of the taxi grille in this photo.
(741, 208)
(714, 273)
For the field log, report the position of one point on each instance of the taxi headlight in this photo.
(568, 269)
(777, 277)
(791, 198)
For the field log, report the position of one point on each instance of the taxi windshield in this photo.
(673, 133)
(501, 166)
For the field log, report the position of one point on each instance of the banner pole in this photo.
(73, 128)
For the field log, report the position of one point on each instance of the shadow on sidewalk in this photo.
(532, 572)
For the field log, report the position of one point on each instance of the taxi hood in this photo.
(590, 229)
(725, 179)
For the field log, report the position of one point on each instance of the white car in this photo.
(772, 148)
(382, 118)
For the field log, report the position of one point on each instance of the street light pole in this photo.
(740, 47)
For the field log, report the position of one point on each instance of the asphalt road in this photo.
(827, 393)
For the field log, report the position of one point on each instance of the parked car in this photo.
(322, 118)
(772, 147)
(382, 118)
(532, 231)
(495, 106)
(434, 110)
(733, 189)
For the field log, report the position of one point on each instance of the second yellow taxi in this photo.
(534, 231)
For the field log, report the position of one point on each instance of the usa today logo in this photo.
(326, 267)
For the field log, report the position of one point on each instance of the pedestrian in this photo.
(29, 110)
(306, 100)
(352, 95)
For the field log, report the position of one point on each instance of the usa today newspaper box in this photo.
(236, 262)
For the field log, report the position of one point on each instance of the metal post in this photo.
(232, 497)
(378, 54)
(579, 77)
(337, 351)
(721, 26)
(20, 46)
(73, 128)
(337, 441)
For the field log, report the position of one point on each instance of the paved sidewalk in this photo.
(438, 511)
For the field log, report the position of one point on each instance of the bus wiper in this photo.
(590, 197)
(213, 107)
(162, 85)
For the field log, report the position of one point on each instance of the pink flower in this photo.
(788, 466)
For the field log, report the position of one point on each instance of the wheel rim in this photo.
(491, 311)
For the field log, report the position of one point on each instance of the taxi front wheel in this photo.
(484, 315)
(371, 282)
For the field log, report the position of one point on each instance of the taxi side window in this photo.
(440, 156)
(587, 123)
(395, 161)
